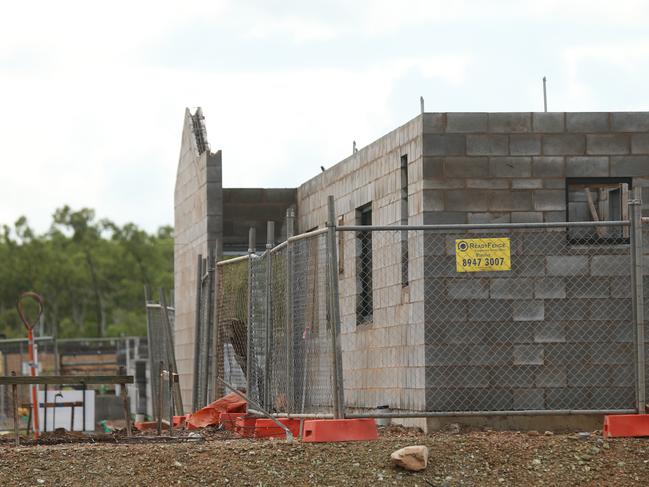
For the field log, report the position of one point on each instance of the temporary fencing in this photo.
(433, 320)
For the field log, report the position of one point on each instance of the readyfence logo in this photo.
(482, 254)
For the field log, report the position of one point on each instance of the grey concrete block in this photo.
(567, 265)
(530, 266)
(446, 355)
(467, 289)
(527, 183)
(510, 122)
(592, 287)
(588, 166)
(549, 332)
(490, 355)
(611, 310)
(630, 121)
(510, 167)
(444, 217)
(610, 265)
(462, 333)
(445, 311)
(433, 200)
(587, 122)
(549, 200)
(512, 288)
(442, 183)
(446, 144)
(490, 310)
(640, 144)
(622, 375)
(524, 144)
(513, 376)
(612, 353)
(510, 201)
(554, 183)
(527, 217)
(487, 217)
(454, 377)
(528, 310)
(548, 167)
(587, 332)
(620, 287)
(629, 166)
(467, 200)
(568, 398)
(554, 216)
(525, 399)
(558, 354)
(550, 288)
(487, 183)
(607, 144)
(551, 377)
(433, 167)
(434, 123)
(587, 376)
(487, 145)
(545, 122)
(466, 167)
(528, 355)
(466, 122)
(521, 332)
(564, 145)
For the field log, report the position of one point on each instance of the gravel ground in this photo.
(471, 459)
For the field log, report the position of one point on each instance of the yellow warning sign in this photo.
(482, 254)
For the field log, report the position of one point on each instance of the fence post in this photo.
(290, 386)
(249, 336)
(638, 296)
(209, 329)
(270, 242)
(197, 335)
(334, 311)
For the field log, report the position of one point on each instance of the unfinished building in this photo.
(555, 332)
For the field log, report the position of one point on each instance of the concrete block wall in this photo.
(197, 227)
(555, 332)
(383, 360)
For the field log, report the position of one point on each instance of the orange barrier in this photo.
(267, 428)
(621, 425)
(228, 420)
(325, 430)
(245, 426)
(210, 414)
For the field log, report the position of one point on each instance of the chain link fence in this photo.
(273, 327)
(478, 319)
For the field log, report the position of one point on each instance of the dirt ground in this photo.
(481, 458)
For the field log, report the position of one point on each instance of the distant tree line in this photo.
(90, 272)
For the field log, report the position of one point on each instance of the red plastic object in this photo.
(228, 420)
(210, 414)
(323, 430)
(621, 425)
(245, 426)
(267, 428)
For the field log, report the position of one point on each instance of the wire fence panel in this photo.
(312, 350)
(258, 315)
(279, 331)
(513, 319)
(159, 349)
(232, 313)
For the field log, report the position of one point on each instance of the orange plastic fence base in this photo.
(621, 425)
(245, 426)
(228, 420)
(266, 428)
(322, 430)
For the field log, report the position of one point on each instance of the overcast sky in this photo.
(92, 94)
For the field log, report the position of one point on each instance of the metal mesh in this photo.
(284, 354)
(159, 349)
(312, 351)
(554, 331)
(232, 313)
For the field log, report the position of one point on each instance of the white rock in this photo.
(412, 458)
